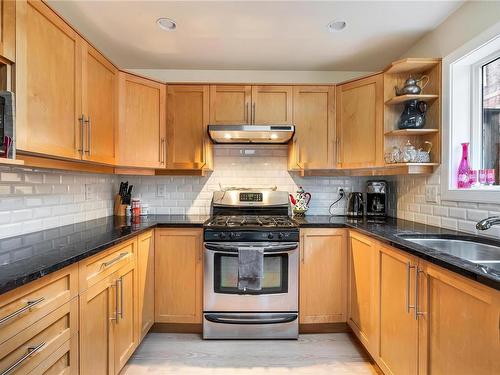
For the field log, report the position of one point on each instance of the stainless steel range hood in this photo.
(263, 134)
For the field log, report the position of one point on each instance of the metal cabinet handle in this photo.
(89, 134)
(409, 267)
(116, 300)
(302, 251)
(120, 281)
(339, 161)
(253, 113)
(114, 260)
(81, 120)
(16, 313)
(417, 313)
(31, 351)
(163, 150)
(247, 112)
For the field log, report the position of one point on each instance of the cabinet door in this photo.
(314, 119)
(397, 353)
(97, 314)
(8, 29)
(323, 276)
(459, 324)
(360, 123)
(272, 105)
(187, 120)
(141, 117)
(126, 327)
(100, 84)
(48, 83)
(145, 275)
(178, 275)
(230, 104)
(363, 290)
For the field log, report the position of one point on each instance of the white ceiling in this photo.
(254, 35)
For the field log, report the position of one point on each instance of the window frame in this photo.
(462, 114)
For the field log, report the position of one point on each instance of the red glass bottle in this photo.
(464, 168)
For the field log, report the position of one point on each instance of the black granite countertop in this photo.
(28, 257)
(391, 231)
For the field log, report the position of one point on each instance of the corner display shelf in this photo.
(394, 76)
(429, 98)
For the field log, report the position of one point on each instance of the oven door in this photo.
(279, 286)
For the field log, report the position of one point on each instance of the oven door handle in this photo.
(269, 249)
(224, 319)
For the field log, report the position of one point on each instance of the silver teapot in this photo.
(411, 86)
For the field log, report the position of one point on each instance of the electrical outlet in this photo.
(431, 194)
(161, 190)
(90, 192)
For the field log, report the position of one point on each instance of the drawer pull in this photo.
(28, 306)
(31, 351)
(114, 260)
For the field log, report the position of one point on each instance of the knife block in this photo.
(119, 208)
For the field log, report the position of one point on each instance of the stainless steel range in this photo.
(250, 219)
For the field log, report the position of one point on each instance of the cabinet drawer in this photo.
(63, 361)
(30, 347)
(22, 307)
(100, 266)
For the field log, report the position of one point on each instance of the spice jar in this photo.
(136, 207)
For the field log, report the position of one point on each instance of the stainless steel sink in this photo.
(476, 251)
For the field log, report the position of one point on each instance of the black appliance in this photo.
(355, 205)
(250, 219)
(376, 199)
(7, 133)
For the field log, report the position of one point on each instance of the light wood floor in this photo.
(312, 354)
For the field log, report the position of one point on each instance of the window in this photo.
(490, 117)
(471, 114)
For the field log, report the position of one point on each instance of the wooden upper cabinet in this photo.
(398, 349)
(48, 83)
(459, 325)
(100, 102)
(359, 112)
(314, 120)
(141, 116)
(230, 104)
(8, 29)
(363, 290)
(188, 146)
(323, 276)
(272, 105)
(178, 275)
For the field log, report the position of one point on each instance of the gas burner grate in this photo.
(251, 221)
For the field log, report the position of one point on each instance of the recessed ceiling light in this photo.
(336, 26)
(166, 24)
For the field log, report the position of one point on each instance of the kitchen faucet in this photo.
(488, 222)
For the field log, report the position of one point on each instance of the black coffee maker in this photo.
(376, 199)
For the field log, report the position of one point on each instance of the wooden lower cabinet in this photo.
(398, 344)
(97, 316)
(459, 325)
(109, 328)
(323, 275)
(178, 275)
(146, 281)
(63, 361)
(363, 289)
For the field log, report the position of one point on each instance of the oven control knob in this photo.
(222, 235)
(270, 236)
(232, 235)
(280, 236)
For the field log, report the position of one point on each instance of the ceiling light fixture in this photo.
(166, 24)
(336, 26)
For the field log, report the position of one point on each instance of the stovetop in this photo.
(250, 221)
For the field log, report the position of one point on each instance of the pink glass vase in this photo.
(464, 168)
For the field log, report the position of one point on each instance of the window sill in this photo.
(485, 194)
